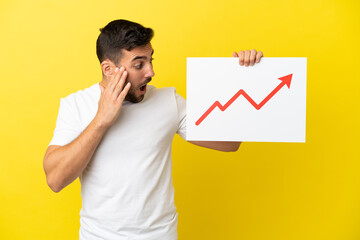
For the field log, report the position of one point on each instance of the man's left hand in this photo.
(248, 57)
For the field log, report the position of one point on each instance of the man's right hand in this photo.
(111, 98)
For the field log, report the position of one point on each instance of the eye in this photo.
(138, 66)
(151, 59)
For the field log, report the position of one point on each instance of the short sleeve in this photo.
(67, 125)
(181, 109)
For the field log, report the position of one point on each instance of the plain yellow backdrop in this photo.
(272, 191)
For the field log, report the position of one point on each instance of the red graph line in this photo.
(286, 80)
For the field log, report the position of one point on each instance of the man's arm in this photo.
(247, 58)
(217, 145)
(63, 164)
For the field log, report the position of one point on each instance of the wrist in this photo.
(99, 124)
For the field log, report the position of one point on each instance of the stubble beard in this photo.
(131, 97)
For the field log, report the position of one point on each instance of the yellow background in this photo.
(263, 191)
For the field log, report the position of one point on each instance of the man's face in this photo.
(138, 64)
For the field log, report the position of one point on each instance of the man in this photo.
(116, 137)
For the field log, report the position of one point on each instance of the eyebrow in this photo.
(142, 57)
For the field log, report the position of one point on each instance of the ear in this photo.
(107, 67)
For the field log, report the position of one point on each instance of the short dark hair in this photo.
(121, 34)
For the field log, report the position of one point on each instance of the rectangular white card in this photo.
(261, 103)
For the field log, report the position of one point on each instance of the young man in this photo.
(116, 137)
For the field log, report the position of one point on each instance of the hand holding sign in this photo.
(248, 58)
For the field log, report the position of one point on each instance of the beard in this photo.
(131, 95)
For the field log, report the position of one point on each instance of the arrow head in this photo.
(286, 79)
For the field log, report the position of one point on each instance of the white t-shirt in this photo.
(126, 189)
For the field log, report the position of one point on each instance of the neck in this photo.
(104, 82)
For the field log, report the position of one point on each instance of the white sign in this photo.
(261, 103)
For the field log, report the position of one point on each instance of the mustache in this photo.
(148, 80)
(145, 82)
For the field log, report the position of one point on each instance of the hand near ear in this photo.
(112, 97)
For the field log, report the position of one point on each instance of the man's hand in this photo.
(111, 98)
(248, 57)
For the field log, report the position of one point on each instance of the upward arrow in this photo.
(286, 80)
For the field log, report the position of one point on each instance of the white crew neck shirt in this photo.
(126, 189)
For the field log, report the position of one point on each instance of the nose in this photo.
(150, 71)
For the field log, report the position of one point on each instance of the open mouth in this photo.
(143, 88)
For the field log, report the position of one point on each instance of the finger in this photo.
(120, 84)
(241, 57)
(235, 54)
(115, 78)
(101, 89)
(111, 82)
(259, 55)
(124, 92)
(252, 57)
(247, 58)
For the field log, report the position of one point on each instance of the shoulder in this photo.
(155, 90)
(167, 94)
(82, 95)
(164, 91)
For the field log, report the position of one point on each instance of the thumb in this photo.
(235, 54)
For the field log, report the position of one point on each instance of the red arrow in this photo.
(286, 80)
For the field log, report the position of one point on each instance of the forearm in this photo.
(64, 164)
(218, 145)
